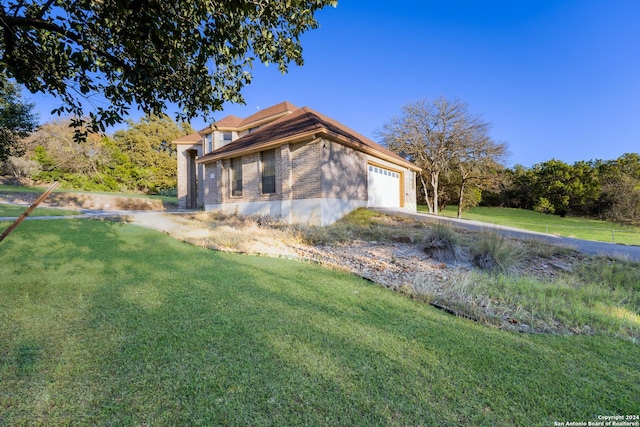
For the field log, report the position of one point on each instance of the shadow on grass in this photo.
(108, 323)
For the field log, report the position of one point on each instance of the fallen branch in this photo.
(28, 211)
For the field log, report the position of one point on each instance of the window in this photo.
(236, 176)
(268, 172)
(209, 138)
(227, 137)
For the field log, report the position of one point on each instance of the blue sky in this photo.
(556, 79)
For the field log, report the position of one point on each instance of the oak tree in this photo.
(195, 55)
(620, 184)
(437, 135)
(478, 162)
(146, 151)
(17, 119)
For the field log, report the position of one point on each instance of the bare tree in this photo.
(55, 148)
(479, 158)
(435, 135)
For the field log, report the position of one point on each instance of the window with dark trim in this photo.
(209, 139)
(227, 137)
(268, 171)
(236, 176)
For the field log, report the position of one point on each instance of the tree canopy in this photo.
(438, 136)
(140, 158)
(16, 119)
(607, 189)
(149, 53)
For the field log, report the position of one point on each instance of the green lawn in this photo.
(106, 323)
(19, 189)
(4, 188)
(15, 211)
(581, 228)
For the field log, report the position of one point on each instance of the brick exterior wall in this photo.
(319, 171)
(216, 179)
(188, 172)
(306, 159)
(284, 172)
(344, 172)
(219, 187)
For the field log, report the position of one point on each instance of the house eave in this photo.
(213, 127)
(303, 137)
(309, 136)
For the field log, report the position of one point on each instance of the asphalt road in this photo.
(585, 246)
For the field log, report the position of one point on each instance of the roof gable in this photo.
(188, 139)
(228, 121)
(266, 115)
(304, 122)
(274, 110)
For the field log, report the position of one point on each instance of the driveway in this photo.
(585, 246)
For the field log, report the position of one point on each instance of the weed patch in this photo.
(361, 224)
(526, 286)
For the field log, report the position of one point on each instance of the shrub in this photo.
(544, 206)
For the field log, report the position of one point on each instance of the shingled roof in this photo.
(274, 110)
(237, 123)
(303, 124)
(229, 121)
(188, 139)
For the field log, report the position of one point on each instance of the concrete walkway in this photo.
(585, 246)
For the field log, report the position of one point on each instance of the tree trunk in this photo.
(461, 198)
(434, 184)
(426, 193)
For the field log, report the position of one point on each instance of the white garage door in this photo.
(384, 188)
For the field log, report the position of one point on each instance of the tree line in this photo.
(605, 189)
(462, 165)
(138, 159)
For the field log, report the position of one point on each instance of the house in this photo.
(293, 163)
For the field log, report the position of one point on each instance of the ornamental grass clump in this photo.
(442, 243)
(494, 253)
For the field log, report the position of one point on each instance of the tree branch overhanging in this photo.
(10, 23)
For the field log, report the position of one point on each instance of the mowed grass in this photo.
(15, 211)
(576, 227)
(4, 188)
(110, 324)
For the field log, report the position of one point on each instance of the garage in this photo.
(384, 187)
